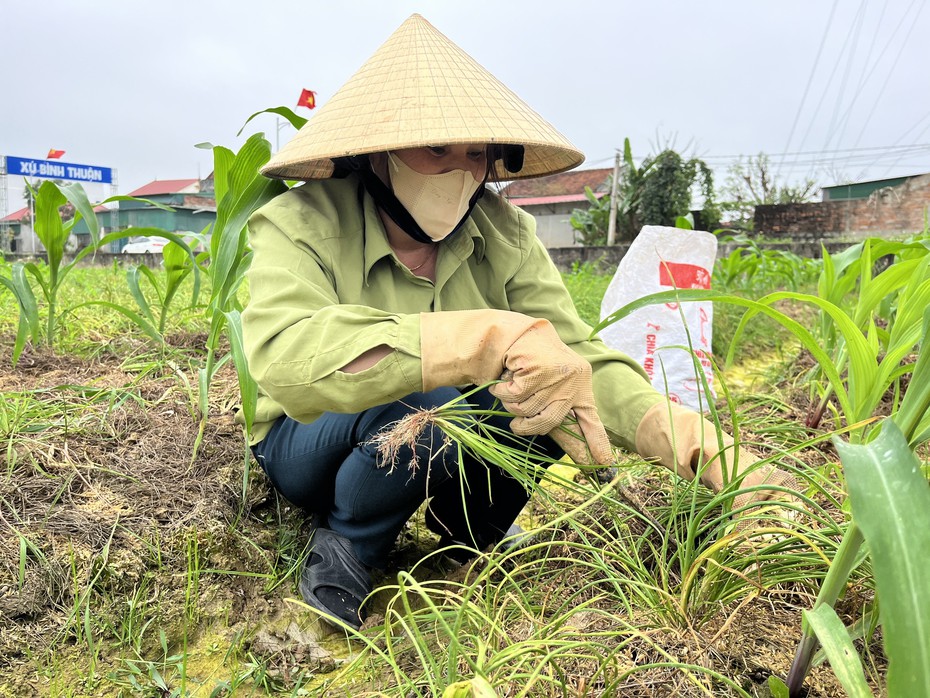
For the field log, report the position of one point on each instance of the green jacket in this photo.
(326, 287)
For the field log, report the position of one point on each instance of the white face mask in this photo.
(436, 202)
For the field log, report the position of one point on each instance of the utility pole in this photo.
(277, 133)
(612, 225)
(32, 219)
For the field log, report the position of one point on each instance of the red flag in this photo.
(307, 99)
(54, 154)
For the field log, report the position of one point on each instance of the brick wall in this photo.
(890, 211)
(606, 259)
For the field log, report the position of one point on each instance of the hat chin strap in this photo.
(389, 203)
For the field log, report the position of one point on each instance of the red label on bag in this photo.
(678, 275)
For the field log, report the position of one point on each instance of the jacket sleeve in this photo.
(622, 390)
(298, 335)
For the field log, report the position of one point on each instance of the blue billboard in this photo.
(53, 169)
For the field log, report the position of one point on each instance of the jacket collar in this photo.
(465, 242)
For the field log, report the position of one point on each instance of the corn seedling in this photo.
(53, 232)
(751, 270)
(248, 390)
(179, 263)
(895, 297)
(891, 511)
(240, 190)
(870, 371)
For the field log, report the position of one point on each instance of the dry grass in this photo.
(112, 508)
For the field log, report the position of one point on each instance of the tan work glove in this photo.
(546, 383)
(683, 441)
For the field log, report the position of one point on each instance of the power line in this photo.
(823, 93)
(810, 78)
(864, 149)
(856, 32)
(864, 77)
(808, 161)
(919, 135)
(893, 65)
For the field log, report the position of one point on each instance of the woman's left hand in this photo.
(683, 441)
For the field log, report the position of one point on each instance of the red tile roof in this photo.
(164, 186)
(16, 216)
(572, 182)
(21, 213)
(561, 199)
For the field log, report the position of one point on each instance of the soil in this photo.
(103, 507)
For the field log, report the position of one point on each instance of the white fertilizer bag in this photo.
(658, 336)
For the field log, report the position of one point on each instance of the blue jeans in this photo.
(331, 469)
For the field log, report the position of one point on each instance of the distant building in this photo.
(20, 238)
(881, 207)
(862, 190)
(192, 208)
(192, 204)
(16, 229)
(552, 199)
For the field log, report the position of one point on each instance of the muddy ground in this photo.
(116, 545)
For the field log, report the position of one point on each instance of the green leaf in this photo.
(222, 162)
(149, 202)
(913, 416)
(628, 156)
(179, 262)
(140, 322)
(247, 191)
(23, 551)
(476, 687)
(48, 226)
(133, 279)
(248, 388)
(777, 687)
(28, 325)
(891, 503)
(839, 650)
(75, 193)
(296, 121)
(685, 222)
(761, 306)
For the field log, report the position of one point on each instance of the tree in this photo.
(656, 193)
(667, 190)
(590, 224)
(751, 183)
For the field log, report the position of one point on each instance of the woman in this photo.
(391, 281)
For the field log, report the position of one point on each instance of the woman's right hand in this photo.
(547, 385)
(549, 389)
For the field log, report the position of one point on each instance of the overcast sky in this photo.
(134, 86)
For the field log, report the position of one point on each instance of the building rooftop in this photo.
(558, 199)
(558, 185)
(16, 216)
(168, 186)
(887, 182)
(864, 189)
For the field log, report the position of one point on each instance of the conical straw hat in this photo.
(420, 89)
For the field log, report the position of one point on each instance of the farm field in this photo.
(143, 554)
